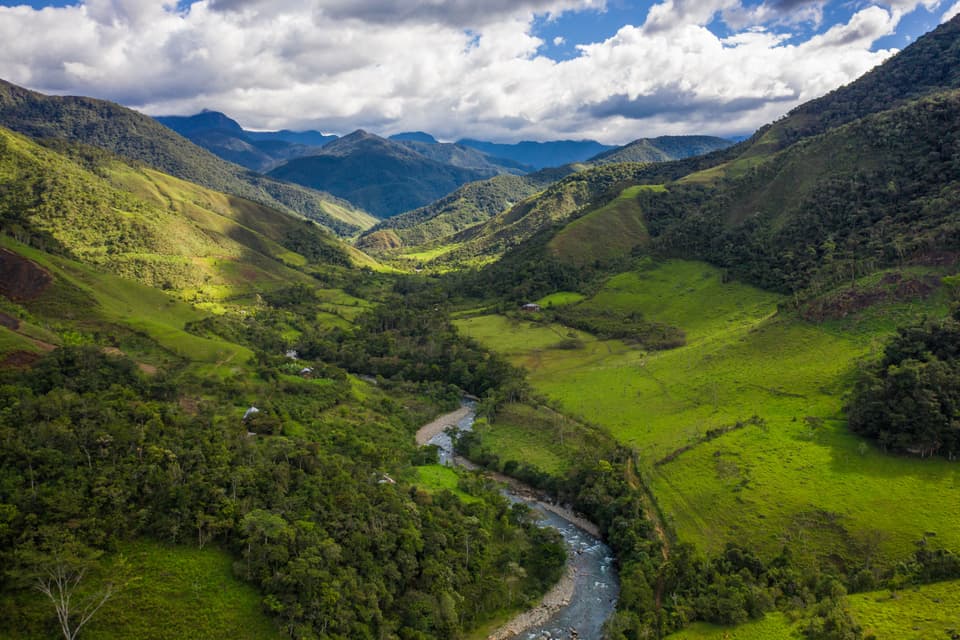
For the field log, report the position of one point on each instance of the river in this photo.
(587, 595)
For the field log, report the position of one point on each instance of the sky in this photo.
(501, 70)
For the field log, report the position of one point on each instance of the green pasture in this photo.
(798, 477)
(175, 592)
(535, 436)
(436, 478)
(560, 299)
(773, 626)
(915, 613)
(127, 303)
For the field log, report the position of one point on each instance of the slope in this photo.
(151, 227)
(662, 149)
(471, 204)
(137, 137)
(383, 177)
(464, 157)
(561, 202)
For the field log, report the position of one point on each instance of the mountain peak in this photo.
(206, 120)
(414, 136)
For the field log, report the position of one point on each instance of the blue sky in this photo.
(506, 70)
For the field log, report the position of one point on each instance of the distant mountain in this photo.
(540, 155)
(662, 149)
(259, 151)
(465, 157)
(306, 138)
(414, 136)
(134, 136)
(383, 176)
(206, 120)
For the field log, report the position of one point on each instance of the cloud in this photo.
(951, 12)
(438, 65)
(457, 13)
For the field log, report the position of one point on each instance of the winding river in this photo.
(587, 594)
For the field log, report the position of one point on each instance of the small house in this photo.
(530, 307)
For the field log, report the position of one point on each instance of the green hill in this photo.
(139, 138)
(382, 176)
(152, 227)
(662, 149)
(471, 204)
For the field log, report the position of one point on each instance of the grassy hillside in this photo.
(139, 138)
(795, 476)
(152, 227)
(561, 202)
(615, 229)
(193, 591)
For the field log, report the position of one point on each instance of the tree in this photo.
(64, 576)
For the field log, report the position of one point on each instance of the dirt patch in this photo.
(9, 321)
(428, 431)
(19, 360)
(21, 279)
(893, 287)
(148, 369)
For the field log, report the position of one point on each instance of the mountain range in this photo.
(139, 138)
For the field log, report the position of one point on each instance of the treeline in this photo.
(909, 400)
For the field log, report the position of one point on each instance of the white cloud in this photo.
(436, 66)
(559, 41)
(951, 12)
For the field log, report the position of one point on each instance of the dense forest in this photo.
(301, 491)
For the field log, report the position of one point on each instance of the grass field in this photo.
(930, 611)
(126, 303)
(798, 477)
(774, 626)
(177, 592)
(435, 478)
(534, 436)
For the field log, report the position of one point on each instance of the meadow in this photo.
(192, 591)
(793, 475)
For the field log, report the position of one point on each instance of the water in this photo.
(596, 586)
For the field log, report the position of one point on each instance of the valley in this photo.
(735, 367)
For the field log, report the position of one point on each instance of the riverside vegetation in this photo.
(753, 395)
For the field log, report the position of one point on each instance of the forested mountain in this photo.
(471, 204)
(863, 177)
(540, 155)
(137, 137)
(225, 137)
(464, 157)
(662, 149)
(381, 176)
